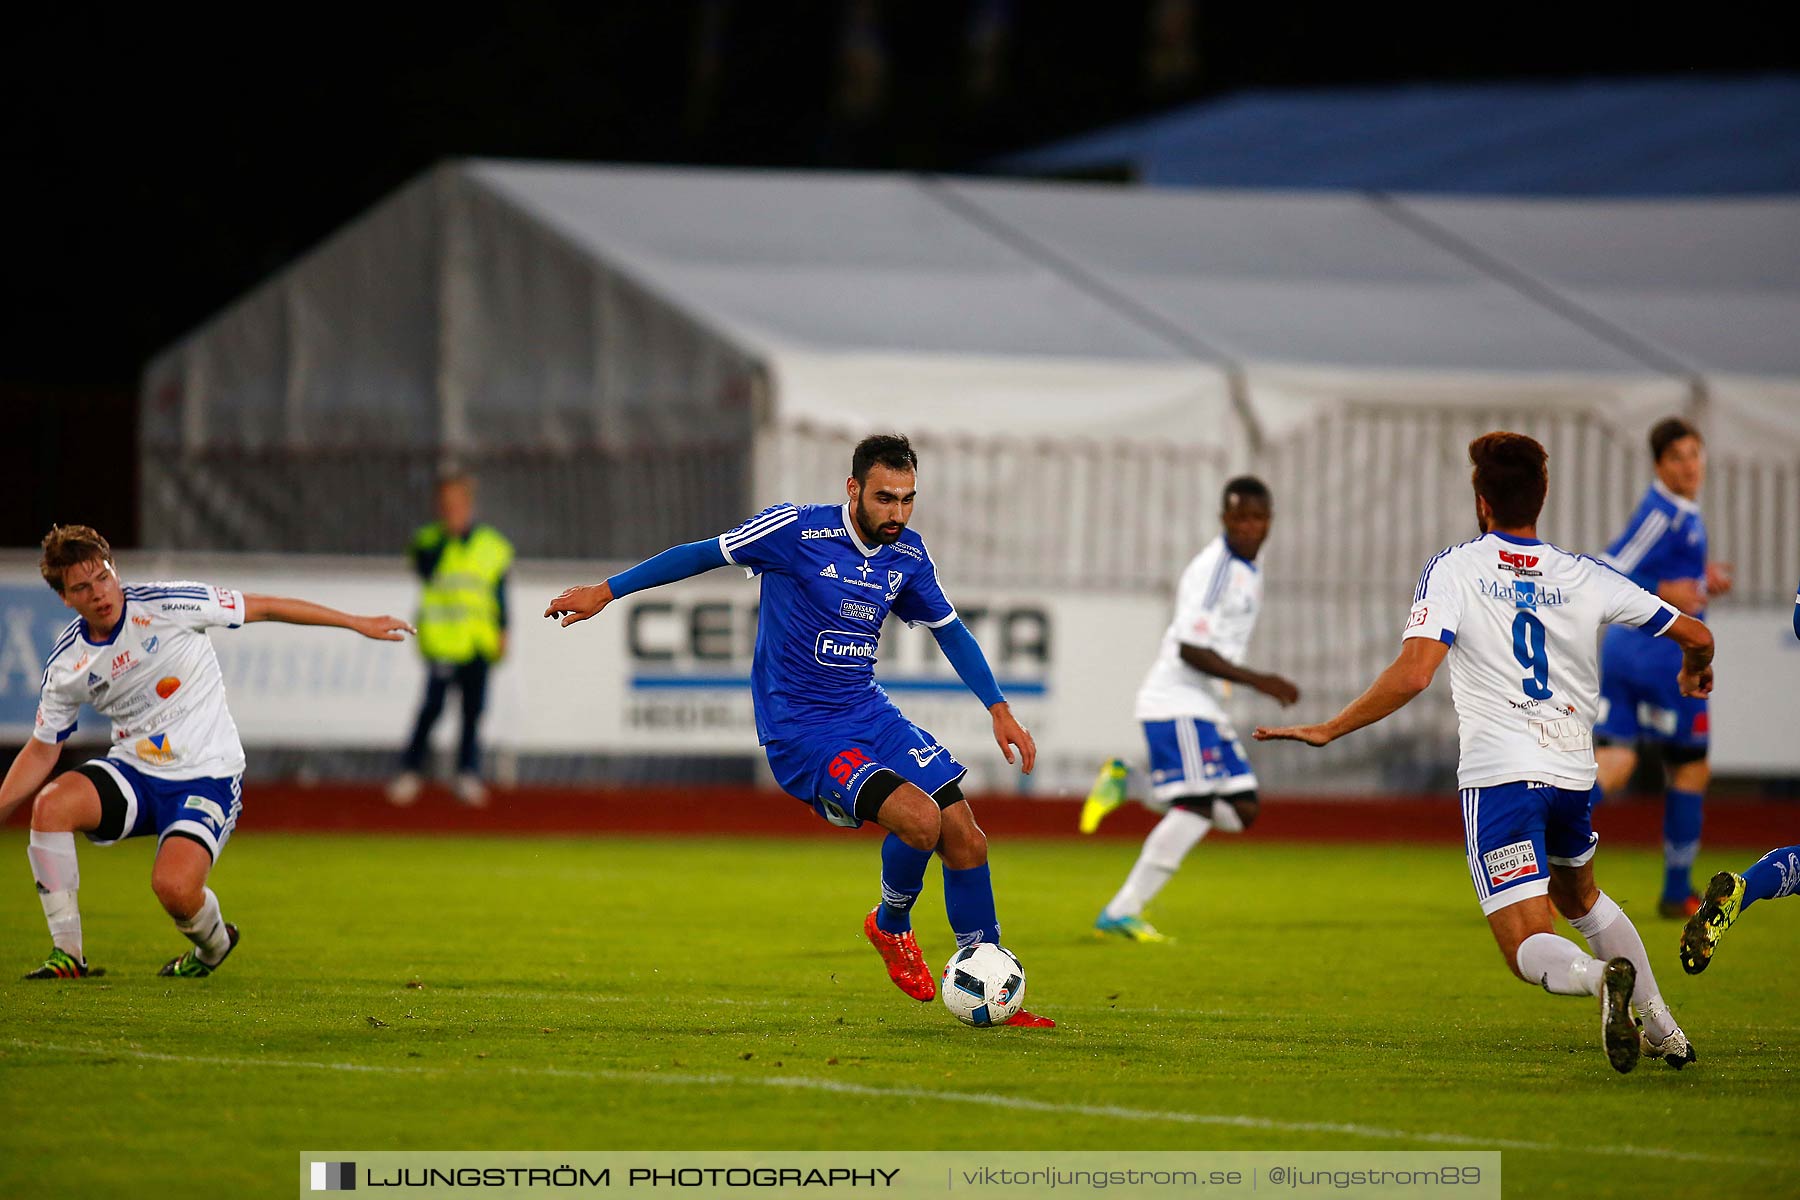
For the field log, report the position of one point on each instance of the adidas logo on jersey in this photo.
(830, 571)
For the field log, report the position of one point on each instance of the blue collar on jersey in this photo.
(850, 528)
(1680, 502)
(1517, 541)
(86, 633)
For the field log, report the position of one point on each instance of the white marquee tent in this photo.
(635, 356)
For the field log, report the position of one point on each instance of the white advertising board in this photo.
(661, 672)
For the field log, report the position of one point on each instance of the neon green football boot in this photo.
(1724, 900)
(1107, 794)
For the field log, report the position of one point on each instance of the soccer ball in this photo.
(983, 984)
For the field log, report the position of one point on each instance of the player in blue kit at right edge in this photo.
(1517, 619)
(1774, 875)
(830, 576)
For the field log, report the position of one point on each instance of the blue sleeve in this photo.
(1797, 611)
(964, 653)
(677, 562)
(767, 541)
(1638, 552)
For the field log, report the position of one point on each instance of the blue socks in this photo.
(969, 903)
(968, 895)
(1772, 876)
(1681, 842)
(902, 879)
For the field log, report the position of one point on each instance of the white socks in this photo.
(1612, 935)
(58, 877)
(1225, 817)
(1178, 832)
(206, 929)
(1559, 965)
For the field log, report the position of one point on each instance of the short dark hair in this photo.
(1244, 487)
(890, 450)
(1512, 473)
(1666, 433)
(68, 546)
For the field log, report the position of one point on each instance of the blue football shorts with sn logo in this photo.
(1191, 757)
(827, 766)
(1514, 833)
(133, 804)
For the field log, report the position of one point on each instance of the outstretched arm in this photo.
(678, 562)
(290, 611)
(1405, 677)
(1211, 662)
(964, 653)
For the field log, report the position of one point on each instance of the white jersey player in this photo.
(140, 656)
(1198, 772)
(1519, 619)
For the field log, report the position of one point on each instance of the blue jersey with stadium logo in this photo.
(825, 594)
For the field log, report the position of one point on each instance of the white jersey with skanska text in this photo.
(156, 678)
(1521, 619)
(1216, 605)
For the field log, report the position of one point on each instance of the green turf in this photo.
(439, 993)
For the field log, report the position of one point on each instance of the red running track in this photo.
(271, 807)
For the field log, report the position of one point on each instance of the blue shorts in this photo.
(133, 804)
(1515, 832)
(1640, 700)
(827, 768)
(1191, 757)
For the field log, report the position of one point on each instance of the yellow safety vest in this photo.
(459, 609)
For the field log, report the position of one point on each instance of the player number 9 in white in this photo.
(1529, 647)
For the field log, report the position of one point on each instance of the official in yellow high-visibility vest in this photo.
(462, 631)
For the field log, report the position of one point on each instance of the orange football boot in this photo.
(1030, 1020)
(905, 964)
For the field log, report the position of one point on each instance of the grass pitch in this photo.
(626, 993)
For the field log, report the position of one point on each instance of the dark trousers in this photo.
(470, 680)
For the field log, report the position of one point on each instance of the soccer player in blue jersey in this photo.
(830, 576)
(1774, 875)
(1663, 551)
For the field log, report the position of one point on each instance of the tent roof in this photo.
(824, 262)
(869, 299)
(1680, 136)
(524, 303)
(1301, 279)
(1716, 283)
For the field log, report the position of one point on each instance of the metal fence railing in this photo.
(591, 503)
(1367, 494)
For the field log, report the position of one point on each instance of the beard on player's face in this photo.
(873, 529)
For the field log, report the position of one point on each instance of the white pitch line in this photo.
(443, 991)
(1014, 1103)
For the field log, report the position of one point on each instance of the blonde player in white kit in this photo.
(1198, 772)
(140, 656)
(1518, 619)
